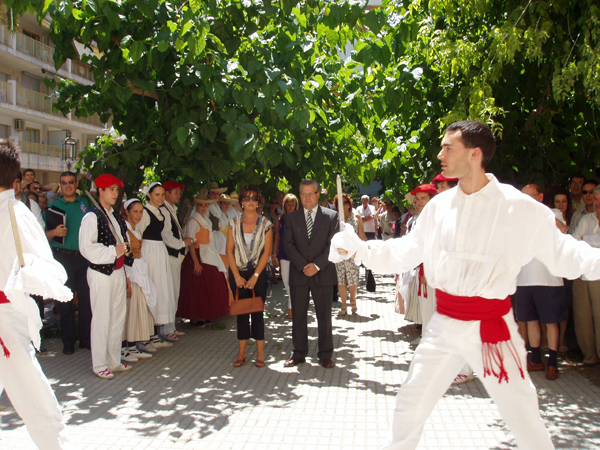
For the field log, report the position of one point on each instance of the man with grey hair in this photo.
(307, 236)
(367, 211)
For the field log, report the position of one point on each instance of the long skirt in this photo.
(413, 310)
(156, 257)
(139, 323)
(204, 296)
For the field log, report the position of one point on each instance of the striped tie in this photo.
(309, 223)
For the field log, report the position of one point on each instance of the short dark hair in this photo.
(594, 182)
(10, 163)
(28, 193)
(476, 134)
(576, 176)
(68, 173)
(249, 189)
(309, 182)
(29, 170)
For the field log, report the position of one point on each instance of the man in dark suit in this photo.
(307, 236)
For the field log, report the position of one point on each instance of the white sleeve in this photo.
(167, 232)
(89, 246)
(144, 222)
(592, 239)
(192, 228)
(37, 212)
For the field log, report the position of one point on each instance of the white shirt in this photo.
(37, 212)
(33, 239)
(313, 213)
(475, 245)
(386, 220)
(369, 211)
(167, 233)
(145, 220)
(208, 252)
(588, 231)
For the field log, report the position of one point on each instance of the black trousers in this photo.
(76, 267)
(247, 328)
(300, 296)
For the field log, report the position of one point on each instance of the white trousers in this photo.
(445, 347)
(108, 296)
(26, 385)
(175, 265)
(284, 264)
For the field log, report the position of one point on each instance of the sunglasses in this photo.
(586, 192)
(64, 183)
(250, 199)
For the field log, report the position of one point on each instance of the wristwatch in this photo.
(255, 274)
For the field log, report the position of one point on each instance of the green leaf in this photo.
(137, 51)
(123, 93)
(208, 131)
(162, 46)
(182, 135)
(112, 16)
(77, 14)
(126, 41)
(195, 5)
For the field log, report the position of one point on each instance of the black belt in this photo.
(64, 250)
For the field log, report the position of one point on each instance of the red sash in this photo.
(120, 262)
(493, 328)
(4, 299)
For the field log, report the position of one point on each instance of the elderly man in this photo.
(586, 291)
(587, 194)
(368, 213)
(472, 243)
(540, 298)
(575, 186)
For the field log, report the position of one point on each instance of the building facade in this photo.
(26, 115)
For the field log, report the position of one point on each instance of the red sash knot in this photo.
(4, 299)
(422, 286)
(493, 329)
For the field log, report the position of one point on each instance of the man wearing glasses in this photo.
(587, 194)
(74, 206)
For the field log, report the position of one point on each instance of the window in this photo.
(4, 131)
(31, 135)
(31, 82)
(33, 36)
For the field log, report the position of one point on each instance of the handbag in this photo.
(371, 285)
(246, 305)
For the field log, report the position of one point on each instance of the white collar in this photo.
(314, 210)
(156, 211)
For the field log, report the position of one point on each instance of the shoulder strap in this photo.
(15, 229)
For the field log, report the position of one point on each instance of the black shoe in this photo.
(41, 351)
(68, 350)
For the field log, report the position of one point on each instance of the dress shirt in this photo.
(475, 245)
(578, 205)
(386, 220)
(167, 234)
(33, 239)
(313, 215)
(588, 231)
(369, 211)
(577, 215)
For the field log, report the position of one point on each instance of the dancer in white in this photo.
(472, 243)
(103, 242)
(20, 373)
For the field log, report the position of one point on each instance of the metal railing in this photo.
(27, 98)
(40, 149)
(5, 92)
(81, 69)
(93, 120)
(34, 48)
(4, 38)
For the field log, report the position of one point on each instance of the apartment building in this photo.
(26, 115)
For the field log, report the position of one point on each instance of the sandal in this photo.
(342, 312)
(289, 316)
(239, 362)
(259, 363)
(354, 308)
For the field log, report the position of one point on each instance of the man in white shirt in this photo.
(20, 373)
(103, 242)
(473, 241)
(587, 195)
(173, 237)
(575, 186)
(368, 213)
(540, 298)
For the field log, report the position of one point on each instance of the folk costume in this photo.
(139, 323)
(214, 212)
(220, 237)
(473, 247)
(107, 281)
(154, 252)
(173, 239)
(203, 296)
(20, 373)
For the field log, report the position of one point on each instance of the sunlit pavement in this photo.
(190, 396)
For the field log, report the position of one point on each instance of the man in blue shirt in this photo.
(75, 207)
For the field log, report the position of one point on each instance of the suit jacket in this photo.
(301, 250)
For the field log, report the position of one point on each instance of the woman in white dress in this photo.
(154, 252)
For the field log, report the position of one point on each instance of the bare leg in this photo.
(535, 333)
(344, 296)
(523, 331)
(260, 351)
(241, 357)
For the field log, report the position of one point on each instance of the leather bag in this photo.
(246, 305)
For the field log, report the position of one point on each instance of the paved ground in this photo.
(190, 396)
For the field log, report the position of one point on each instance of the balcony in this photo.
(34, 48)
(82, 69)
(40, 149)
(5, 93)
(4, 38)
(29, 99)
(93, 120)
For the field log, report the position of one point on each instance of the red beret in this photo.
(440, 177)
(107, 180)
(173, 185)
(427, 188)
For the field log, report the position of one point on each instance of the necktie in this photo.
(309, 223)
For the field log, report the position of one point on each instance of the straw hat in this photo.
(234, 196)
(203, 198)
(214, 186)
(227, 198)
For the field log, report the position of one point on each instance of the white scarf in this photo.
(203, 220)
(135, 232)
